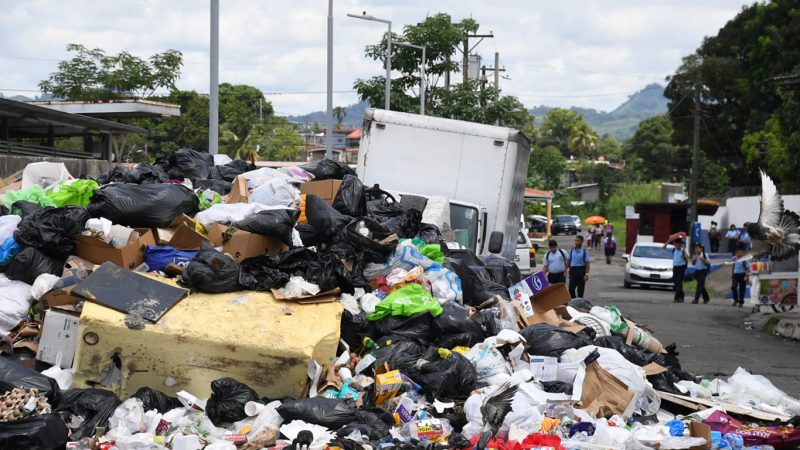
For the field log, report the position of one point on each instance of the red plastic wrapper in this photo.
(780, 437)
(533, 441)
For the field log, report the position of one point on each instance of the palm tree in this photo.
(340, 112)
(582, 140)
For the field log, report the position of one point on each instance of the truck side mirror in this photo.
(496, 242)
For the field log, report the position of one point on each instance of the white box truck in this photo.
(480, 168)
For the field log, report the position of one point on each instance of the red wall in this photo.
(631, 231)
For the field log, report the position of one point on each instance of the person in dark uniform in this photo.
(555, 263)
(701, 267)
(740, 278)
(578, 268)
(679, 260)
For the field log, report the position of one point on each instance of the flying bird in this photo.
(777, 232)
(494, 409)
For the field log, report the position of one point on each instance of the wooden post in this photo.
(549, 215)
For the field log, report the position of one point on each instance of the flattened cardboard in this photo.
(322, 297)
(654, 369)
(325, 189)
(699, 429)
(243, 245)
(98, 251)
(603, 394)
(218, 234)
(59, 334)
(239, 192)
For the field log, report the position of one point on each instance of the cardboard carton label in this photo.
(525, 289)
(59, 334)
(387, 384)
(544, 368)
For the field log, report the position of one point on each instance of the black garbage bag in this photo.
(277, 223)
(369, 423)
(581, 304)
(335, 274)
(458, 440)
(326, 169)
(221, 187)
(145, 173)
(30, 263)
(420, 328)
(632, 354)
(307, 234)
(381, 205)
(212, 272)
(400, 354)
(503, 271)
(153, 399)
(187, 163)
(117, 174)
(549, 340)
(665, 381)
(476, 282)
(355, 327)
(557, 387)
(94, 406)
(332, 413)
(255, 275)
(13, 375)
(52, 230)
(405, 226)
(24, 208)
(45, 432)
(299, 261)
(455, 327)
(229, 172)
(352, 237)
(430, 234)
(349, 198)
(143, 206)
(226, 404)
(444, 377)
(324, 219)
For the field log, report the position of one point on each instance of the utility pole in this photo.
(467, 50)
(695, 157)
(213, 99)
(329, 93)
(447, 76)
(497, 71)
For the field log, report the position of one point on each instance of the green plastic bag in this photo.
(206, 202)
(407, 301)
(617, 325)
(33, 194)
(78, 193)
(434, 252)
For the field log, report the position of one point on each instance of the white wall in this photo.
(739, 210)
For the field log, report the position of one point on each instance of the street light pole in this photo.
(213, 97)
(388, 87)
(421, 76)
(329, 110)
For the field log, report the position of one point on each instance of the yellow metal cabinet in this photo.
(249, 336)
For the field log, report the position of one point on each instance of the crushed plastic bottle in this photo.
(431, 430)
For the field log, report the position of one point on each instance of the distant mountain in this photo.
(623, 121)
(354, 117)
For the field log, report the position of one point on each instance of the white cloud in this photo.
(558, 53)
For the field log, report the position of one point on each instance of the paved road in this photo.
(712, 339)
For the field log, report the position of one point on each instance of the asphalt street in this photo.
(713, 339)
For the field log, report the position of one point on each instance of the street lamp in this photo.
(365, 16)
(421, 76)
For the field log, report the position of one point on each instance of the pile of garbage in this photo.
(439, 347)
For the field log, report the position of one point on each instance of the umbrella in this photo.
(594, 220)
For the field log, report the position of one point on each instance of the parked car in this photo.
(564, 225)
(538, 223)
(649, 264)
(525, 257)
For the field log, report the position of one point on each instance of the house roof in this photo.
(112, 109)
(531, 193)
(25, 120)
(355, 135)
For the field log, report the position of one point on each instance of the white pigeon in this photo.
(777, 232)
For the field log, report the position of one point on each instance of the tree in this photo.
(464, 101)
(93, 75)
(548, 165)
(239, 107)
(610, 148)
(651, 153)
(582, 140)
(340, 112)
(729, 73)
(557, 128)
(277, 142)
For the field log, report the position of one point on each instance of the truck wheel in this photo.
(627, 284)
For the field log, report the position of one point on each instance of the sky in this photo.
(555, 52)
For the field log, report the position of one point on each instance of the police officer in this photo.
(578, 266)
(679, 260)
(555, 263)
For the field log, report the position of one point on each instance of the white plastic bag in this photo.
(43, 284)
(445, 284)
(8, 225)
(437, 212)
(62, 376)
(321, 434)
(221, 159)
(229, 213)
(759, 389)
(44, 174)
(488, 361)
(405, 256)
(275, 192)
(15, 299)
(130, 416)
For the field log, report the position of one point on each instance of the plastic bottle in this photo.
(431, 430)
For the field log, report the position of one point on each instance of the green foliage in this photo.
(730, 72)
(546, 168)
(91, 74)
(653, 156)
(610, 148)
(464, 101)
(557, 128)
(272, 142)
(582, 141)
(339, 112)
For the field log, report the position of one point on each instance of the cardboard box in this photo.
(243, 245)
(387, 383)
(544, 368)
(59, 334)
(542, 305)
(326, 189)
(239, 192)
(698, 429)
(219, 234)
(182, 234)
(98, 251)
(60, 297)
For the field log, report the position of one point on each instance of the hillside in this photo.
(623, 121)
(354, 117)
